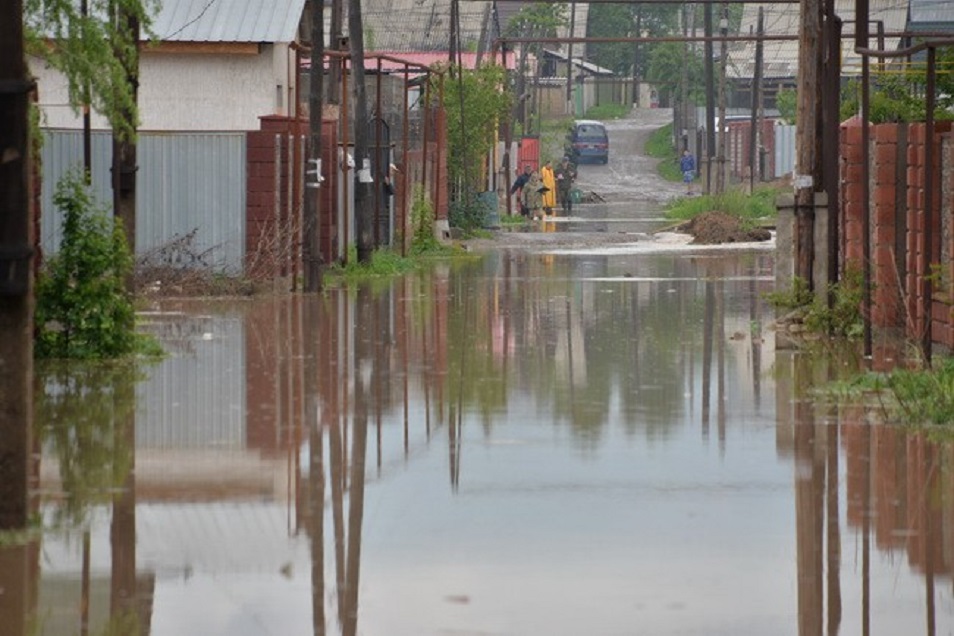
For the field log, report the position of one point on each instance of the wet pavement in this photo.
(547, 439)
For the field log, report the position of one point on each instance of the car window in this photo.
(591, 132)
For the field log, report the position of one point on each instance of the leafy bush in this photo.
(422, 223)
(83, 309)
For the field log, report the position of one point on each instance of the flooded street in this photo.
(567, 435)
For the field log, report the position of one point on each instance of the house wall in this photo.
(185, 91)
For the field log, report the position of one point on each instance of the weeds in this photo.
(842, 319)
(909, 396)
(749, 208)
(607, 111)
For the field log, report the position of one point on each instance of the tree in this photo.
(666, 64)
(538, 20)
(475, 106)
(621, 20)
(91, 51)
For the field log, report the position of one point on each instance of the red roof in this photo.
(389, 61)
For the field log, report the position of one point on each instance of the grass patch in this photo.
(916, 397)
(384, 263)
(749, 208)
(660, 146)
(607, 111)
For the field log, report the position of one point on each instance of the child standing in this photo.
(688, 166)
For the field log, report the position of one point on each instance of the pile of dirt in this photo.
(713, 228)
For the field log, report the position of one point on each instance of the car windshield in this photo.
(591, 132)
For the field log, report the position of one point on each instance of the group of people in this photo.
(539, 193)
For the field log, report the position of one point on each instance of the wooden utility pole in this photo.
(363, 196)
(723, 65)
(16, 271)
(806, 137)
(755, 131)
(710, 95)
(570, 107)
(335, 67)
(311, 248)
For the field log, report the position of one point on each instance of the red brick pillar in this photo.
(851, 193)
(885, 306)
(915, 224)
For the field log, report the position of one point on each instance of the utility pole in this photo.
(755, 131)
(723, 65)
(311, 249)
(806, 137)
(363, 197)
(638, 33)
(710, 95)
(570, 108)
(16, 271)
(683, 110)
(335, 67)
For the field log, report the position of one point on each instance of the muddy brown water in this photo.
(558, 439)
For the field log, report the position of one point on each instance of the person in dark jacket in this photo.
(517, 187)
(565, 175)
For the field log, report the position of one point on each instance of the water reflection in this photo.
(521, 444)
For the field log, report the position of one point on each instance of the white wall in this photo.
(189, 91)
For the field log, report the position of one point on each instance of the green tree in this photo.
(666, 64)
(92, 51)
(620, 20)
(475, 105)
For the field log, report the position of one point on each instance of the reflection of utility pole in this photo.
(833, 532)
(313, 318)
(809, 501)
(365, 332)
(707, 328)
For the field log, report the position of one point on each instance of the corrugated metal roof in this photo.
(781, 58)
(934, 12)
(228, 20)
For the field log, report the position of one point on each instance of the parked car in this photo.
(587, 140)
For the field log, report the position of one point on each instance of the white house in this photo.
(215, 66)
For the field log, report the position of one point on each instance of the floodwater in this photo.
(525, 443)
(560, 440)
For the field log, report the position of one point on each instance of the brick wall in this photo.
(899, 269)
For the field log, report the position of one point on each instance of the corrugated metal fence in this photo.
(784, 150)
(186, 182)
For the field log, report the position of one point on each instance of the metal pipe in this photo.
(865, 204)
(928, 256)
(404, 173)
(346, 175)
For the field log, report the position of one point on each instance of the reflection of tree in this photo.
(78, 410)
(85, 413)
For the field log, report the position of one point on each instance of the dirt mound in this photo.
(712, 228)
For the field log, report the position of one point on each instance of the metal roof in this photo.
(781, 57)
(932, 12)
(228, 20)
